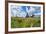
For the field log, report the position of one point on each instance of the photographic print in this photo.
(25, 16)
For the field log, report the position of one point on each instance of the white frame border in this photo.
(23, 29)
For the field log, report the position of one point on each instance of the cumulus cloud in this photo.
(19, 12)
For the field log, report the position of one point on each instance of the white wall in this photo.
(2, 17)
(2, 23)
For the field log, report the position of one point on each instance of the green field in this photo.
(17, 22)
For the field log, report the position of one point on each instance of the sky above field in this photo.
(21, 11)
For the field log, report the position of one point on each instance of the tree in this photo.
(27, 15)
(27, 12)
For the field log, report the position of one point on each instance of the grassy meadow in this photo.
(17, 22)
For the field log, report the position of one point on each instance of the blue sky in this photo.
(21, 11)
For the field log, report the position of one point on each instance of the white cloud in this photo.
(21, 14)
(16, 10)
(30, 11)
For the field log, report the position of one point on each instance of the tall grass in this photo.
(25, 22)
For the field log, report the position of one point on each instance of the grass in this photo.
(17, 22)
